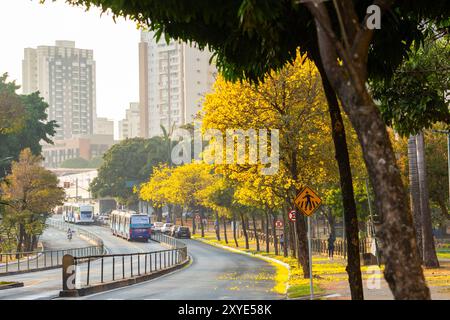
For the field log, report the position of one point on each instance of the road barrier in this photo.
(88, 274)
(38, 260)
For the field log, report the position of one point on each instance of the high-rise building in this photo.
(173, 79)
(65, 77)
(130, 126)
(104, 126)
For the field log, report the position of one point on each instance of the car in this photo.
(182, 232)
(166, 227)
(157, 226)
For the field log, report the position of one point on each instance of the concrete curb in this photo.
(120, 283)
(254, 255)
(11, 285)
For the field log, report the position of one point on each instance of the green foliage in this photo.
(11, 107)
(128, 164)
(252, 37)
(36, 127)
(416, 96)
(79, 163)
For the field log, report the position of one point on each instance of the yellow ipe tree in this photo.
(293, 102)
(30, 193)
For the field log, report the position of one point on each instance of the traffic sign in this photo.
(292, 215)
(279, 224)
(307, 201)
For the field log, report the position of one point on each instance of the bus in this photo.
(130, 225)
(78, 213)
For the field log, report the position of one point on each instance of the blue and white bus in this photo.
(130, 225)
(78, 213)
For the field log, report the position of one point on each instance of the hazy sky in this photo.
(26, 23)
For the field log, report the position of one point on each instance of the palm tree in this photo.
(414, 190)
(429, 250)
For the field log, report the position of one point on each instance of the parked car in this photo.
(157, 226)
(166, 228)
(182, 232)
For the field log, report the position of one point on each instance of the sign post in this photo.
(307, 201)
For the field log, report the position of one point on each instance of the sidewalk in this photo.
(330, 277)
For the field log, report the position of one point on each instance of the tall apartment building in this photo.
(104, 126)
(173, 78)
(65, 77)
(130, 126)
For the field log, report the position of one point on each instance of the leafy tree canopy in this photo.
(416, 96)
(252, 37)
(36, 127)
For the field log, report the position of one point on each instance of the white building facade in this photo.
(65, 76)
(174, 78)
(130, 126)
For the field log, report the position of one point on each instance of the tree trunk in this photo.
(293, 242)
(274, 233)
(267, 231)
(430, 259)
(332, 222)
(286, 238)
(302, 244)
(414, 191)
(225, 236)
(256, 231)
(217, 226)
(244, 230)
(395, 229)
(202, 224)
(234, 230)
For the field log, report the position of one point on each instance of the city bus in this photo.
(130, 225)
(78, 213)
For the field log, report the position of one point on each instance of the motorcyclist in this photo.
(69, 234)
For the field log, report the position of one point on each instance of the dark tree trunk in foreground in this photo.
(286, 238)
(430, 259)
(293, 242)
(395, 227)
(234, 230)
(348, 198)
(414, 192)
(256, 233)
(225, 236)
(244, 230)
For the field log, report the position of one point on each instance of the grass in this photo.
(324, 271)
(4, 283)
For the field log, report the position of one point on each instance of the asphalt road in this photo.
(214, 274)
(47, 284)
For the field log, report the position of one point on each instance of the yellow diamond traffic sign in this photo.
(307, 201)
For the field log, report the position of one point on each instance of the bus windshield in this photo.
(140, 220)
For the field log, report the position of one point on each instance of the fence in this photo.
(47, 259)
(98, 269)
(318, 246)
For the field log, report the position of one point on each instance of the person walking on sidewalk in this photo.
(331, 246)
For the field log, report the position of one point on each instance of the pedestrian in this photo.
(330, 246)
(282, 241)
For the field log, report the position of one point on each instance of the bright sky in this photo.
(26, 23)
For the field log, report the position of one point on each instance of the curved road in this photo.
(213, 274)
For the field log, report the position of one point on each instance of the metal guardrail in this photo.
(64, 226)
(98, 269)
(48, 259)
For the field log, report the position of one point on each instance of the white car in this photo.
(157, 226)
(166, 227)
